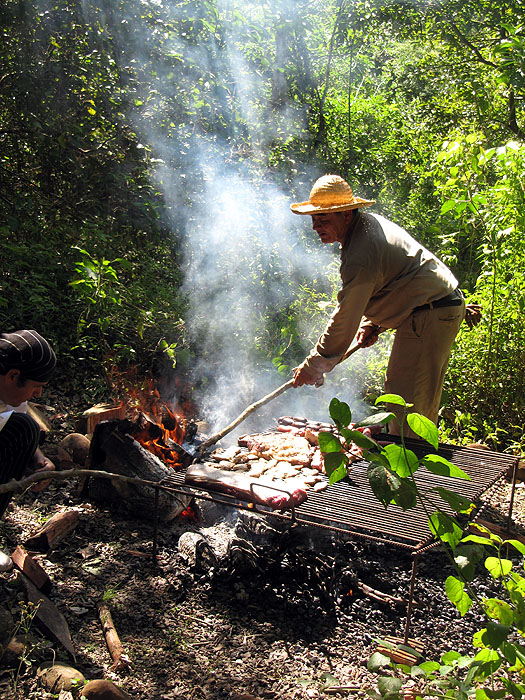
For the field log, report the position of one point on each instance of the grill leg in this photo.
(155, 524)
(410, 598)
(512, 493)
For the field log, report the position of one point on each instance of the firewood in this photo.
(53, 531)
(115, 450)
(49, 616)
(115, 648)
(98, 413)
(31, 568)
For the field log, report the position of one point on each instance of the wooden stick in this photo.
(215, 438)
(70, 473)
(115, 648)
(266, 399)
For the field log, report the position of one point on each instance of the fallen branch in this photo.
(23, 484)
(374, 594)
(115, 648)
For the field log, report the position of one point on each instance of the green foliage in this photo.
(32, 646)
(278, 92)
(484, 200)
(497, 669)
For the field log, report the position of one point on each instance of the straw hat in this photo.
(330, 193)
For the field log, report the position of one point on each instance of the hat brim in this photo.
(309, 208)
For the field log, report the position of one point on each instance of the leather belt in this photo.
(455, 298)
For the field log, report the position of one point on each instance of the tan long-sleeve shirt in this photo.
(385, 274)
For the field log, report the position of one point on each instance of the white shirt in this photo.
(6, 410)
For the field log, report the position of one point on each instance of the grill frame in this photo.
(329, 509)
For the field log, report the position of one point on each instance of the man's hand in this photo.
(472, 315)
(367, 336)
(41, 463)
(302, 375)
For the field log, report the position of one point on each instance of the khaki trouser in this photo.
(419, 359)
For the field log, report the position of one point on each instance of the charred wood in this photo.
(115, 450)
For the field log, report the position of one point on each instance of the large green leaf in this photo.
(520, 546)
(384, 482)
(423, 427)
(455, 590)
(446, 528)
(335, 461)
(359, 439)
(402, 461)
(375, 419)
(329, 443)
(458, 503)
(340, 413)
(499, 610)
(378, 661)
(498, 567)
(389, 687)
(495, 634)
(337, 474)
(439, 465)
(392, 398)
(406, 495)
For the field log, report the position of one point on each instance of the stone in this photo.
(103, 690)
(75, 447)
(6, 563)
(19, 647)
(57, 677)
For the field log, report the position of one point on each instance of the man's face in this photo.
(332, 227)
(14, 391)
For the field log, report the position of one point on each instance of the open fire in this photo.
(158, 427)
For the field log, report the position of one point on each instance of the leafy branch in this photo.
(497, 670)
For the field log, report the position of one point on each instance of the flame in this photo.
(159, 425)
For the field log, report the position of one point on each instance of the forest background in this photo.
(150, 151)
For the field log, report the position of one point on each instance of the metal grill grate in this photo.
(350, 506)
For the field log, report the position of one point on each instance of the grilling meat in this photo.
(288, 459)
(285, 447)
(245, 488)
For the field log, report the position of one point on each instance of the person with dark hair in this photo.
(389, 281)
(27, 362)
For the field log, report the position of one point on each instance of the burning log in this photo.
(114, 449)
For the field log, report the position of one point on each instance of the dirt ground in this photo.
(278, 617)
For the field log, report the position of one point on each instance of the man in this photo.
(389, 281)
(27, 362)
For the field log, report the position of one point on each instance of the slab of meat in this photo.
(285, 447)
(242, 487)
